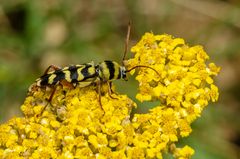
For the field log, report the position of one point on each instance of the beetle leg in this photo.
(51, 67)
(51, 96)
(66, 83)
(99, 93)
(110, 91)
(49, 100)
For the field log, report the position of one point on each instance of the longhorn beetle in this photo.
(86, 74)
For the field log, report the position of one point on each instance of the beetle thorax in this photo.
(111, 70)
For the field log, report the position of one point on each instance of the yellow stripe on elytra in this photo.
(80, 75)
(91, 70)
(116, 70)
(67, 76)
(51, 78)
(105, 70)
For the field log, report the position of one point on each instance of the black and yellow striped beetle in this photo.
(87, 74)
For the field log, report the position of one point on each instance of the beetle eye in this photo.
(124, 75)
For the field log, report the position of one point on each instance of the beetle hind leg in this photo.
(53, 67)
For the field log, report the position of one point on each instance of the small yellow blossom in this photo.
(183, 153)
(75, 125)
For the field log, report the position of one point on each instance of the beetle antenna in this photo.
(126, 42)
(143, 66)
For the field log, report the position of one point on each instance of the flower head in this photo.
(75, 125)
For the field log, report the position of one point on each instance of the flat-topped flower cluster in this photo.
(75, 125)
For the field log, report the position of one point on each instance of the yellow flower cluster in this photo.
(75, 125)
(183, 82)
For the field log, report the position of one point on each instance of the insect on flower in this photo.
(86, 74)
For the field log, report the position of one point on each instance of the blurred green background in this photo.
(35, 34)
